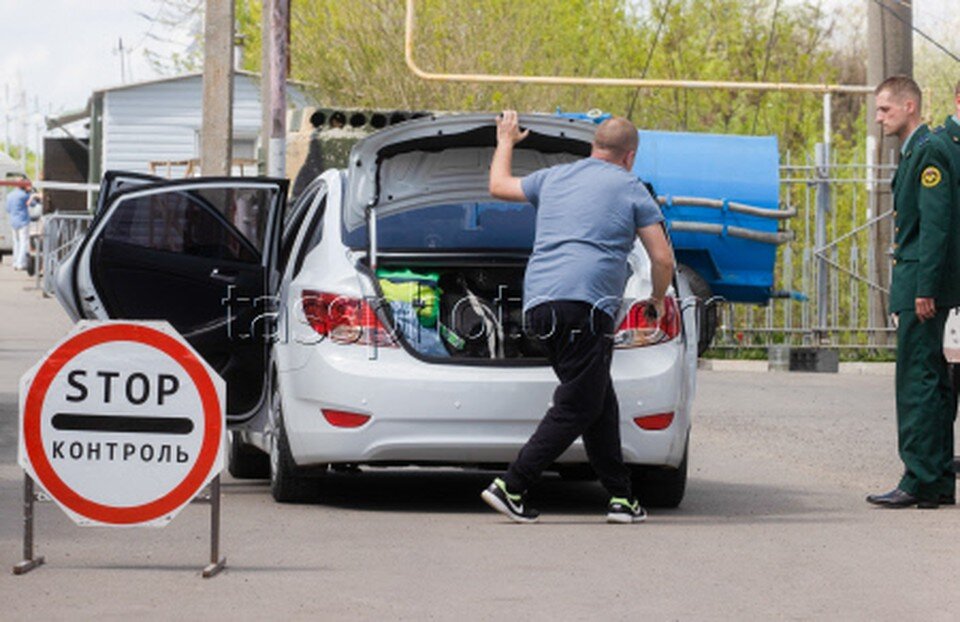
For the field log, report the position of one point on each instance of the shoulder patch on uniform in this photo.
(930, 177)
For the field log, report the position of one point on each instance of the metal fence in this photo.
(60, 233)
(830, 293)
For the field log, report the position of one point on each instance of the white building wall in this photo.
(160, 121)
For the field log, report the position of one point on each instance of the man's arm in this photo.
(935, 220)
(503, 185)
(658, 248)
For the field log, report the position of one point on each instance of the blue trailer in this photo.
(720, 196)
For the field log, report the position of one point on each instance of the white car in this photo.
(377, 321)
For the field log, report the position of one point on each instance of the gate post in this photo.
(820, 243)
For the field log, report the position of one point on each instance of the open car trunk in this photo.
(449, 259)
(458, 310)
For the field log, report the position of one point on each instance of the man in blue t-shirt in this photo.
(17, 207)
(589, 213)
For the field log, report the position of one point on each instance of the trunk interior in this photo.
(463, 309)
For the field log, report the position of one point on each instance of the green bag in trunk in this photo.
(417, 289)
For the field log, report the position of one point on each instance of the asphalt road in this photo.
(773, 526)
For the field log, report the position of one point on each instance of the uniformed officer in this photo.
(949, 134)
(924, 287)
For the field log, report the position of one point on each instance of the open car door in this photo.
(115, 181)
(199, 253)
(112, 183)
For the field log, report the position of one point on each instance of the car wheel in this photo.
(245, 461)
(661, 487)
(288, 482)
(706, 309)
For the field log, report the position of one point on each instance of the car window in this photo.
(471, 225)
(220, 223)
(293, 218)
(313, 235)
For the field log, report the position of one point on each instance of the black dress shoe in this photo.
(947, 500)
(897, 498)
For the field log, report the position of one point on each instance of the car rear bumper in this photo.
(435, 413)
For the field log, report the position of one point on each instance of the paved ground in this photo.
(773, 526)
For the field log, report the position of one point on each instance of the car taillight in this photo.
(660, 421)
(344, 320)
(638, 330)
(344, 419)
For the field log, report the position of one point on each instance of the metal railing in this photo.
(828, 281)
(60, 233)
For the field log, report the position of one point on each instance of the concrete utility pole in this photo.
(266, 114)
(216, 132)
(890, 52)
(273, 80)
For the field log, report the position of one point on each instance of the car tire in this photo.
(289, 483)
(707, 312)
(660, 487)
(245, 461)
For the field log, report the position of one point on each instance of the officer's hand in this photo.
(925, 308)
(508, 128)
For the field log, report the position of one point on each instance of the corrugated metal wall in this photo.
(160, 121)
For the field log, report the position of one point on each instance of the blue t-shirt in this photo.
(588, 213)
(17, 208)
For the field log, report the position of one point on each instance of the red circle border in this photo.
(209, 447)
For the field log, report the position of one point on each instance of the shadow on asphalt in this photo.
(454, 491)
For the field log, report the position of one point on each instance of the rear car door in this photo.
(199, 253)
(115, 181)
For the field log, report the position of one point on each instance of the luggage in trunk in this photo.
(459, 313)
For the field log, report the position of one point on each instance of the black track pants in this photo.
(578, 342)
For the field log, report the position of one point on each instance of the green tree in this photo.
(353, 55)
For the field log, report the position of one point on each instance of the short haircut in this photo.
(956, 89)
(618, 135)
(901, 87)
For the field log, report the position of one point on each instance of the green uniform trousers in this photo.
(925, 407)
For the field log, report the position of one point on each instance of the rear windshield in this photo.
(486, 225)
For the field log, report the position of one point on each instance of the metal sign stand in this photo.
(217, 563)
(30, 496)
(29, 561)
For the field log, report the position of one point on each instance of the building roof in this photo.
(76, 115)
(182, 76)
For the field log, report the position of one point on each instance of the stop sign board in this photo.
(122, 423)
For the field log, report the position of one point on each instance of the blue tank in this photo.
(732, 169)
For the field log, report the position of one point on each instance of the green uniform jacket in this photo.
(927, 235)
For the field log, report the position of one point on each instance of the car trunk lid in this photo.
(447, 159)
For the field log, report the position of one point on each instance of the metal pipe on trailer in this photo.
(780, 237)
(733, 206)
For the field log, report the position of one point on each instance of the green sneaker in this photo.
(507, 503)
(623, 510)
